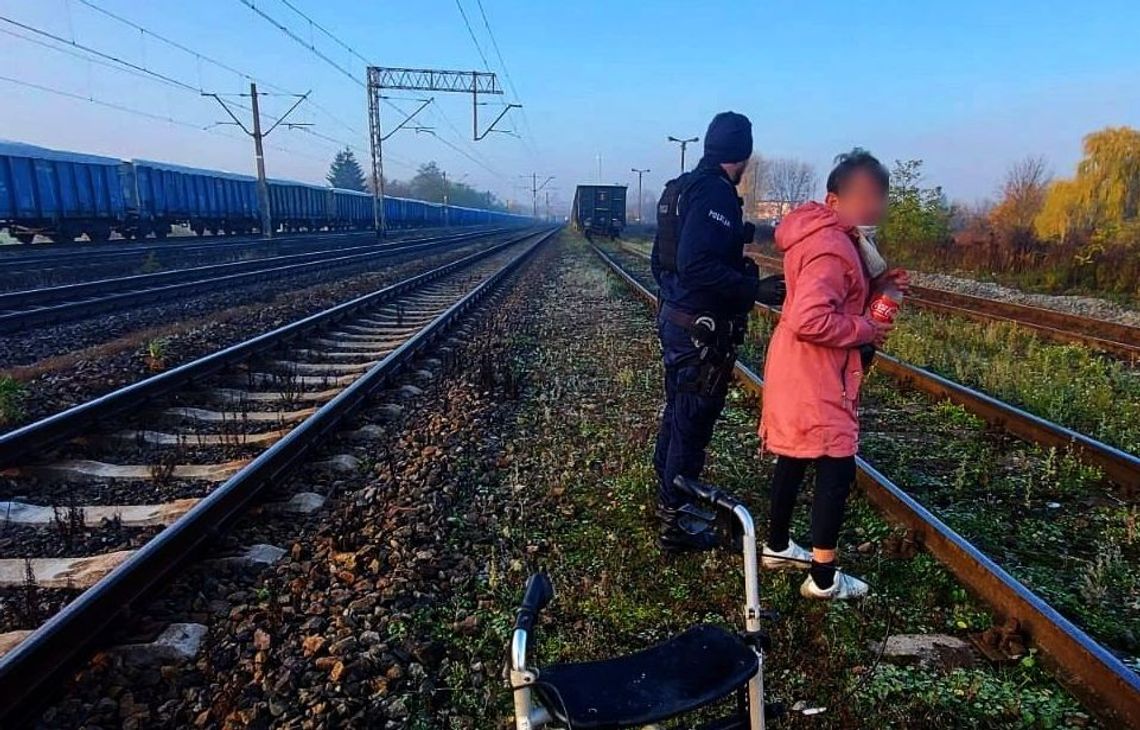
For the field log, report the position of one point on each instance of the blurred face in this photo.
(735, 170)
(861, 201)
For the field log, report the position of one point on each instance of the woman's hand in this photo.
(882, 331)
(900, 278)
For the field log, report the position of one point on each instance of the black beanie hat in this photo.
(729, 138)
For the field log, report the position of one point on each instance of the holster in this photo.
(716, 345)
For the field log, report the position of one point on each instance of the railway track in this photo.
(213, 433)
(1109, 337)
(51, 305)
(1104, 683)
(18, 269)
(1118, 465)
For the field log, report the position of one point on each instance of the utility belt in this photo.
(716, 340)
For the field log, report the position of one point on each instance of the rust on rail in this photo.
(1113, 338)
(1100, 680)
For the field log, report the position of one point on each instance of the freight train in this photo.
(63, 195)
(600, 210)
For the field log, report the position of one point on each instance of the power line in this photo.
(176, 44)
(471, 32)
(495, 45)
(312, 48)
(93, 100)
(507, 74)
(285, 29)
(220, 64)
(328, 33)
(141, 113)
(101, 54)
(75, 54)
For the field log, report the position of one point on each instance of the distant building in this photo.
(771, 210)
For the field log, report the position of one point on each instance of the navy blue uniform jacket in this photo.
(711, 276)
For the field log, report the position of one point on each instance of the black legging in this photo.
(833, 479)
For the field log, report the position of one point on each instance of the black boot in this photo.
(686, 529)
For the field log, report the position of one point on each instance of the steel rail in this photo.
(1110, 337)
(1106, 686)
(38, 661)
(14, 264)
(45, 253)
(1077, 330)
(70, 310)
(21, 442)
(1120, 466)
(18, 255)
(70, 292)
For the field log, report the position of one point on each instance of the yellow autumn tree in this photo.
(1103, 200)
(1060, 214)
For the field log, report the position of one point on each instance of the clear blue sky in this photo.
(968, 86)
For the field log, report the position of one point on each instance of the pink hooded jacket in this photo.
(813, 372)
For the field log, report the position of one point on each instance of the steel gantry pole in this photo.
(422, 79)
(639, 174)
(684, 143)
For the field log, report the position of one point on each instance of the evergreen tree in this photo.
(345, 172)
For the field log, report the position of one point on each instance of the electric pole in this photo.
(684, 143)
(259, 152)
(420, 79)
(535, 189)
(259, 149)
(639, 174)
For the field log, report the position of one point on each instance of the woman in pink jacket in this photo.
(813, 369)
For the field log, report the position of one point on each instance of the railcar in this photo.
(64, 195)
(60, 194)
(164, 195)
(296, 206)
(599, 210)
(351, 209)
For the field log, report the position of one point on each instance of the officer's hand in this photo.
(772, 290)
(748, 234)
(765, 233)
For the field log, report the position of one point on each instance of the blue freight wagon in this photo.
(164, 195)
(64, 195)
(59, 194)
(352, 209)
(298, 206)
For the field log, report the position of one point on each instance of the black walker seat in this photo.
(693, 669)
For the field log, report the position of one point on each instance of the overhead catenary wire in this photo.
(101, 54)
(507, 76)
(199, 56)
(91, 99)
(302, 42)
(109, 60)
(327, 32)
(345, 72)
(471, 32)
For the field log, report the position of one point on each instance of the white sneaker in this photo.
(793, 557)
(844, 588)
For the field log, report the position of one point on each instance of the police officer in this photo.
(707, 287)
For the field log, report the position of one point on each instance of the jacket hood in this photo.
(804, 221)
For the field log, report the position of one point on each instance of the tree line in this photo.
(430, 183)
(1080, 233)
(1055, 234)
